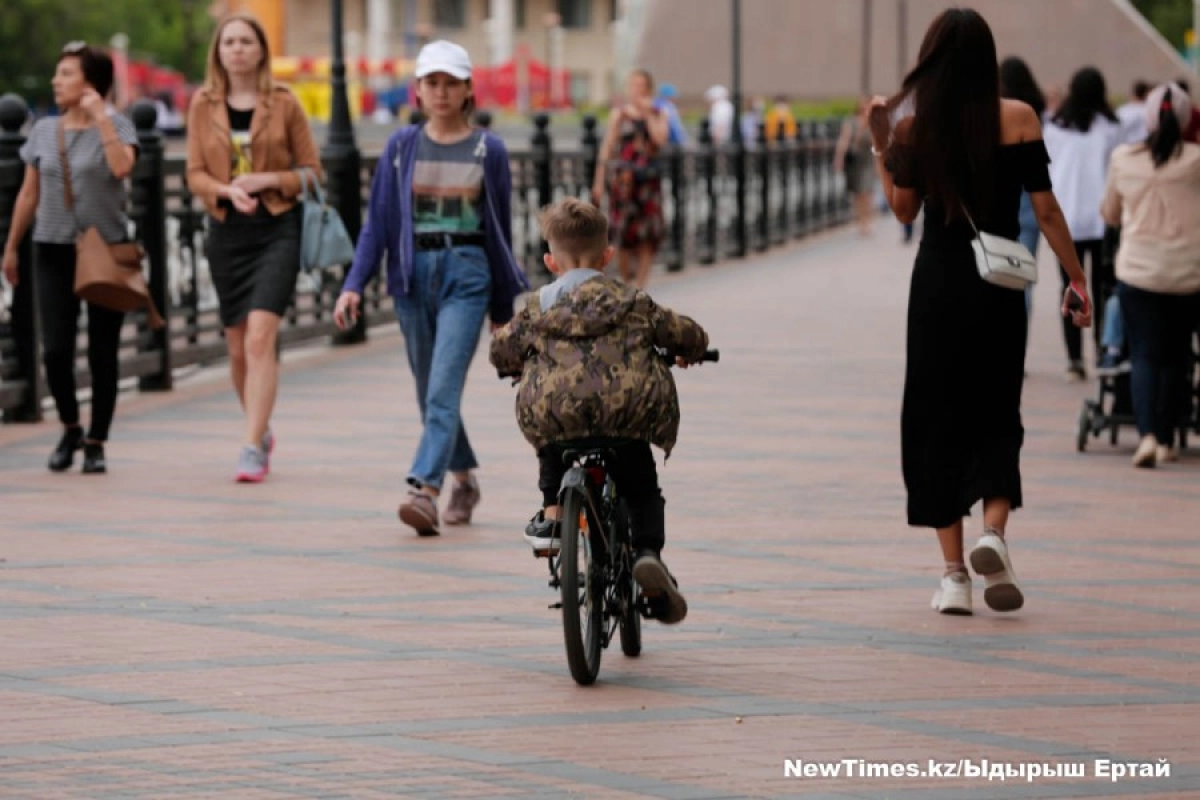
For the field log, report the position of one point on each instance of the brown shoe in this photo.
(419, 511)
(463, 499)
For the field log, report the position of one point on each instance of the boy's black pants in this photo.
(635, 475)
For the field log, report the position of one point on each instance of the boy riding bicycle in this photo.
(587, 349)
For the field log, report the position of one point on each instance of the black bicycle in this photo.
(593, 568)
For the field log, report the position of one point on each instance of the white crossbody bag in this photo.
(1002, 262)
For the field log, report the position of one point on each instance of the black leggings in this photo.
(1103, 281)
(59, 309)
(636, 477)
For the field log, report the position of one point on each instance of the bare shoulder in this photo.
(1018, 122)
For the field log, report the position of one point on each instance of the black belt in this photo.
(440, 241)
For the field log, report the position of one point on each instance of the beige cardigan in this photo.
(1158, 210)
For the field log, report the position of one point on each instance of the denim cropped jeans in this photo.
(441, 318)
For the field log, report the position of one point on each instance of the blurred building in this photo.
(815, 49)
(585, 38)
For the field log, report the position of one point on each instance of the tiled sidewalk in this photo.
(168, 634)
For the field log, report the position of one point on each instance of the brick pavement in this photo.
(170, 634)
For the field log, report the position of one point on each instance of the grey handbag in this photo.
(324, 241)
(1001, 261)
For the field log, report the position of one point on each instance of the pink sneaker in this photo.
(252, 465)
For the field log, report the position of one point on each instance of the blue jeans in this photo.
(441, 318)
(1113, 337)
(1029, 236)
(1160, 330)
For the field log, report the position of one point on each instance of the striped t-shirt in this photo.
(99, 195)
(448, 185)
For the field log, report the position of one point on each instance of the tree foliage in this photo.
(171, 33)
(1171, 17)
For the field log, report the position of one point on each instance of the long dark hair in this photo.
(1087, 98)
(1017, 83)
(955, 88)
(1166, 142)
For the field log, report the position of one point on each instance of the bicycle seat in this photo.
(605, 449)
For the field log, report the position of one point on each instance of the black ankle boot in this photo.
(64, 455)
(93, 458)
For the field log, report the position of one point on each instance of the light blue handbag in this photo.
(324, 241)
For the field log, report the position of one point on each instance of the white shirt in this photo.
(1133, 122)
(720, 121)
(1078, 169)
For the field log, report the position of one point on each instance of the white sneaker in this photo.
(1147, 452)
(954, 595)
(1164, 454)
(989, 559)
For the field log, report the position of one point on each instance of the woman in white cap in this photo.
(440, 213)
(1153, 193)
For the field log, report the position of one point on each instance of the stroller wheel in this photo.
(1085, 428)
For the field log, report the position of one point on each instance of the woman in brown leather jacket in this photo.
(246, 140)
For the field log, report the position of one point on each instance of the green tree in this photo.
(1171, 17)
(171, 33)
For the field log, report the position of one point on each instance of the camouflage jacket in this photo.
(588, 365)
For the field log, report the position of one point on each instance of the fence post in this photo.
(764, 170)
(543, 156)
(342, 162)
(13, 113)
(708, 165)
(590, 144)
(829, 137)
(149, 197)
(801, 146)
(679, 204)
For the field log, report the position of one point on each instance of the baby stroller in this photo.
(1113, 406)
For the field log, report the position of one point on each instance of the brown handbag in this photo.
(106, 275)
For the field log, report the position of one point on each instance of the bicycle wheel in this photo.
(582, 592)
(631, 618)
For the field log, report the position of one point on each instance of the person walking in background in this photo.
(1081, 137)
(628, 161)
(720, 115)
(852, 157)
(97, 148)
(780, 122)
(1132, 115)
(665, 102)
(247, 137)
(440, 213)
(1017, 83)
(1153, 193)
(966, 155)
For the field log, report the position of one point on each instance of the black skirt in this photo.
(254, 260)
(961, 431)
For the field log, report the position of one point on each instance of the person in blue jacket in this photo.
(676, 133)
(440, 214)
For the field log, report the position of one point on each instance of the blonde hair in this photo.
(574, 228)
(216, 79)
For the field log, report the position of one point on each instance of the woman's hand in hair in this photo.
(91, 102)
(879, 120)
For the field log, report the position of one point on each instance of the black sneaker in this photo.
(542, 535)
(659, 588)
(93, 459)
(64, 455)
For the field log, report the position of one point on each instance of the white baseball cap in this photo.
(443, 56)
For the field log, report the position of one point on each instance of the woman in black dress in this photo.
(966, 150)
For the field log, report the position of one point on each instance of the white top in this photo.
(1133, 122)
(1078, 168)
(1158, 210)
(720, 121)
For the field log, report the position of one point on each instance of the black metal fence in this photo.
(791, 191)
